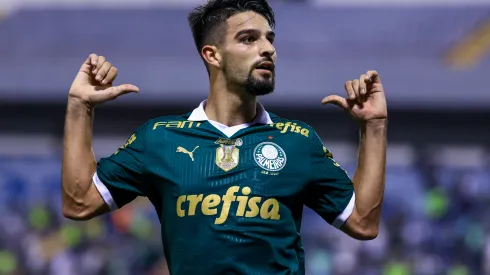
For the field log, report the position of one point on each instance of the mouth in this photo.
(266, 66)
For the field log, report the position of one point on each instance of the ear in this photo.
(211, 55)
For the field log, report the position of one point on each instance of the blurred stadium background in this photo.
(432, 56)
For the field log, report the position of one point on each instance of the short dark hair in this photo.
(206, 21)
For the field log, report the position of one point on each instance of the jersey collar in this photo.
(262, 117)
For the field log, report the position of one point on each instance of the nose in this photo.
(267, 49)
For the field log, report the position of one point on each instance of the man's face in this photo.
(248, 54)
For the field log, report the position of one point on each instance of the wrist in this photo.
(78, 105)
(79, 102)
(374, 128)
(375, 123)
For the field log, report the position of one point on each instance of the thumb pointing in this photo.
(124, 89)
(114, 92)
(117, 91)
(337, 100)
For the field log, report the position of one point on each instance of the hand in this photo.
(366, 100)
(93, 83)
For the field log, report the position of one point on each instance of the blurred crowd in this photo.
(434, 222)
(434, 213)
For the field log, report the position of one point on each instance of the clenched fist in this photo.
(93, 83)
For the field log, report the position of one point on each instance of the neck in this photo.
(229, 106)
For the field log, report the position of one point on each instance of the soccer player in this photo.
(228, 180)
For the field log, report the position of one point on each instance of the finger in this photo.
(102, 73)
(376, 88)
(111, 75)
(93, 59)
(336, 100)
(373, 76)
(100, 62)
(349, 90)
(362, 85)
(87, 65)
(355, 87)
(114, 92)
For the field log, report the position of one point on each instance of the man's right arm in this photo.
(80, 198)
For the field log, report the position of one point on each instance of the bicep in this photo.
(333, 202)
(350, 227)
(354, 228)
(98, 206)
(91, 205)
(99, 199)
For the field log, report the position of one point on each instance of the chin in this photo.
(260, 84)
(261, 89)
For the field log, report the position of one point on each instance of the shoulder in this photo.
(299, 129)
(292, 127)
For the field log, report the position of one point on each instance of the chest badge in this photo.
(228, 154)
(270, 156)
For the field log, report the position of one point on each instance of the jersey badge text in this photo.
(130, 140)
(248, 206)
(270, 156)
(289, 127)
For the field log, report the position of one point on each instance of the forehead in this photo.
(247, 20)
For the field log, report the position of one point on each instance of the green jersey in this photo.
(229, 199)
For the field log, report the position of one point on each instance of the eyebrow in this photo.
(249, 31)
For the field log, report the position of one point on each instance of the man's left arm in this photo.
(366, 102)
(369, 183)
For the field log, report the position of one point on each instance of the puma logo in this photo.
(181, 149)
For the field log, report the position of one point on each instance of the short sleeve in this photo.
(120, 177)
(330, 192)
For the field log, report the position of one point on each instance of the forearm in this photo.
(79, 162)
(369, 178)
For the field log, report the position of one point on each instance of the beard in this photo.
(254, 85)
(258, 86)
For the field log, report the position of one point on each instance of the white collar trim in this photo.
(262, 115)
(199, 115)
